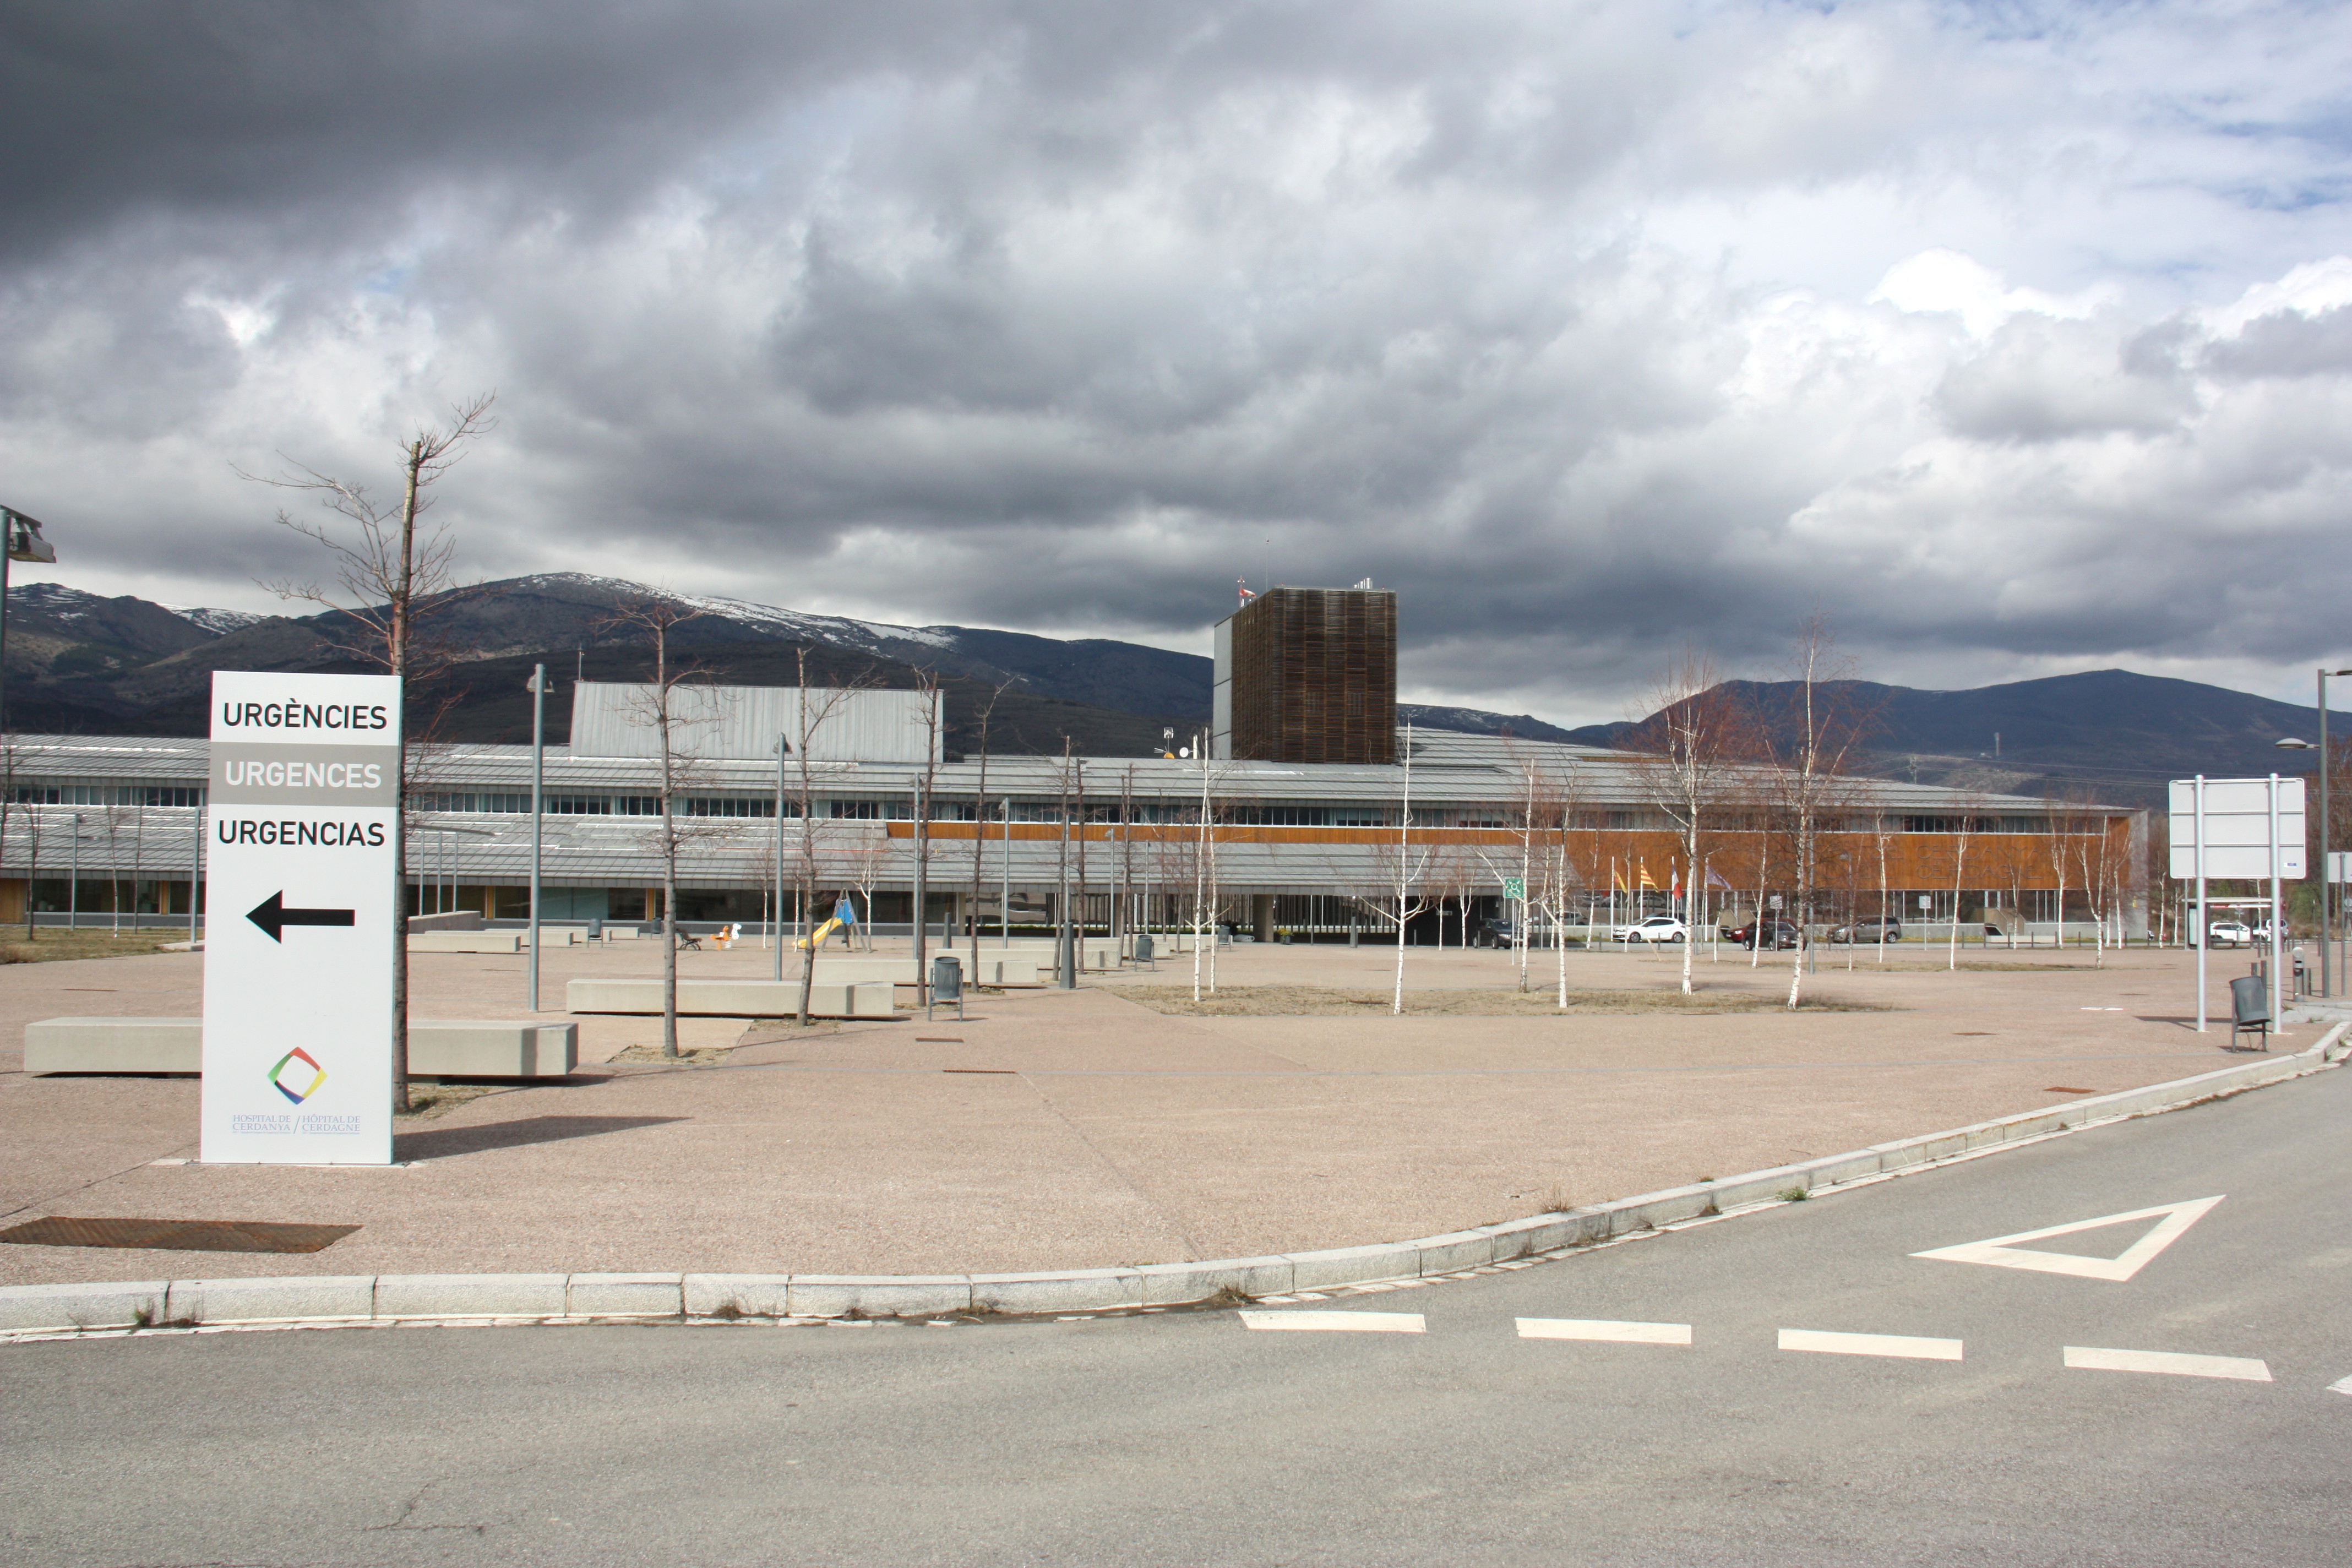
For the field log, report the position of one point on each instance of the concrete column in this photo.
(1262, 916)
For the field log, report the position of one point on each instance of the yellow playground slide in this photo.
(816, 938)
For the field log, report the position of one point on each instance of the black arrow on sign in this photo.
(272, 916)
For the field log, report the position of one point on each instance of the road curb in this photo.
(326, 1300)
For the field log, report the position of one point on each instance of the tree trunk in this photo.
(669, 848)
(398, 621)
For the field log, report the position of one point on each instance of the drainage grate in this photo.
(178, 1234)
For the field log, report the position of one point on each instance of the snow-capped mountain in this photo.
(220, 622)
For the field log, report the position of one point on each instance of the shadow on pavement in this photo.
(441, 1142)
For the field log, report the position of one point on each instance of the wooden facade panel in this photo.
(1314, 676)
(1847, 861)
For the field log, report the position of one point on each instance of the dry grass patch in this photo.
(430, 1101)
(53, 945)
(1331, 1002)
(693, 1057)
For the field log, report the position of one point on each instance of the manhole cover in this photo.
(177, 1235)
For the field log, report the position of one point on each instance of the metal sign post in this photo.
(2203, 922)
(537, 811)
(303, 814)
(2243, 830)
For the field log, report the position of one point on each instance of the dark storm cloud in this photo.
(289, 113)
(1065, 316)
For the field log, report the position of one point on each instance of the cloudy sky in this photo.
(2016, 337)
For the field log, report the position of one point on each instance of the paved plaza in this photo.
(1057, 1130)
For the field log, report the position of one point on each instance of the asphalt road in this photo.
(1191, 1438)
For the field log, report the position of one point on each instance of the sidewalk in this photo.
(1057, 1130)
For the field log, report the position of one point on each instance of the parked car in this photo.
(1867, 930)
(1657, 928)
(1502, 932)
(2229, 934)
(1770, 933)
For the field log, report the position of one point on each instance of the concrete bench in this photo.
(1092, 954)
(858, 970)
(463, 1047)
(999, 969)
(732, 998)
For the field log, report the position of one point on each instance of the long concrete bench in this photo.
(456, 1048)
(1093, 954)
(996, 968)
(732, 998)
(489, 940)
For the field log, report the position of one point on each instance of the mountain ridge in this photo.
(79, 661)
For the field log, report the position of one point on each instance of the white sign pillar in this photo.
(302, 828)
(2246, 829)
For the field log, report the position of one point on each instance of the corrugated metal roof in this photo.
(1449, 770)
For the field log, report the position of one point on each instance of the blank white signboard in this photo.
(302, 824)
(2237, 831)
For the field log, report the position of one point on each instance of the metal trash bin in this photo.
(2250, 1008)
(1143, 949)
(595, 931)
(947, 983)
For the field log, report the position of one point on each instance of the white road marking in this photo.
(1830, 1343)
(2343, 1387)
(2091, 1358)
(1604, 1328)
(1357, 1322)
(2002, 1252)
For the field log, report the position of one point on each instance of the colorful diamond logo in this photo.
(284, 1076)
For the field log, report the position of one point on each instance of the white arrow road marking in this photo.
(1604, 1328)
(2091, 1358)
(2343, 1387)
(1830, 1343)
(1357, 1323)
(2002, 1252)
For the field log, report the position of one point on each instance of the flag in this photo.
(1647, 885)
(1675, 888)
(1617, 879)
(1714, 878)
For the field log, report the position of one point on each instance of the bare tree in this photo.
(1809, 780)
(1410, 873)
(1203, 869)
(661, 711)
(980, 822)
(926, 683)
(1959, 864)
(2065, 811)
(863, 859)
(814, 708)
(392, 581)
(1689, 748)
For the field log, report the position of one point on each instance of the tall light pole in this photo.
(23, 544)
(538, 810)
(2327, 887)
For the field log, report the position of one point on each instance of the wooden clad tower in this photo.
(1308, 674)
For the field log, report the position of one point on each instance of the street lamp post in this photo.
(2327, 887)
(23, 544)
(538, 810)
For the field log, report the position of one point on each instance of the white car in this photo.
(1657, 928)
(2228, 933)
